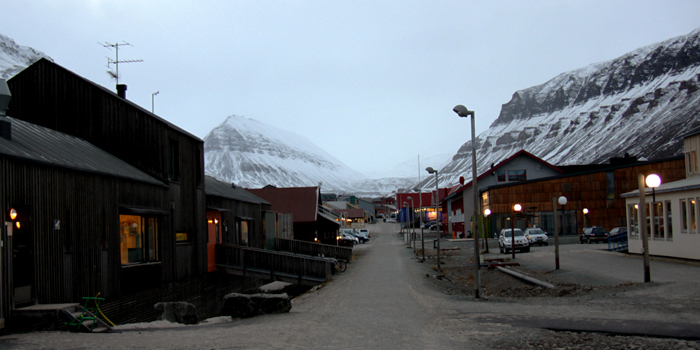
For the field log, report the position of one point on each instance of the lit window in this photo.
(692, 215)
(684, 216)
(138, 239)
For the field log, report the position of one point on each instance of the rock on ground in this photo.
(249, 305)
(179, 311)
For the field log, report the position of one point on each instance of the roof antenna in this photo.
(115, 62)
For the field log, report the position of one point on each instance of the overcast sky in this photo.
(371, 82)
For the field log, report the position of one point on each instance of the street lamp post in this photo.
(652, 181)
(487, 225)
(420, 214)
(585, 212)
(516, 209)
(562, 201)
(153, 100)
(463, 112)
(430, 170)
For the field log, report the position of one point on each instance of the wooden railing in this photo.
(312, 248)
(270, 265)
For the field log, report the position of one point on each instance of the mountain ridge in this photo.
(638, 103)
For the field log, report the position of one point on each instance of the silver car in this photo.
(536, 236)
(521, 242)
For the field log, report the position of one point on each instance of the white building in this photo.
(672, 211)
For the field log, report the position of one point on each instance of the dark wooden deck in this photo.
(312, 248)
(272, 266)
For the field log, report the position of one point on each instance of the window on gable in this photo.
(501, 175)
(517, 175)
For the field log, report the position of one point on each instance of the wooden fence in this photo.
(273, 266)
(313, 249)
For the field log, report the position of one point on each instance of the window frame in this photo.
(147, 239)
(517, 175)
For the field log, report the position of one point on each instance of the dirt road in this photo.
(385, 301)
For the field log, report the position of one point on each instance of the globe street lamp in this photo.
(430, 170)
(585, 212)
(463, 112)
(652, 181)
(562, 201)
(516, 209)
(420, 204)
(487, 226)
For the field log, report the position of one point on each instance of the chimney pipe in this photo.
(121, 90)
(5, 96)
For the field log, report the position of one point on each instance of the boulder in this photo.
(249, 305)
(179, 311)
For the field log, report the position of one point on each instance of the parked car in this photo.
(362, 238)
(434, 226)
(536, 236)
(594, 234)
(618, 234)
(521, 242)
(348, 235)
(365, 232)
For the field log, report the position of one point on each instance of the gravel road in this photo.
(387, 299)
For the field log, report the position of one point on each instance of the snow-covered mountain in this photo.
(253, 154)
(14, 58)
(639, 103)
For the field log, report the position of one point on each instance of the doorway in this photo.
(22, 265)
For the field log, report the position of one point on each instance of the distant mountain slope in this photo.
(14, 58)
(639, 103)
(253, 154)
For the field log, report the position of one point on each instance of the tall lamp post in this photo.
(516, 209)
(562, 201)
(153, 101)
(652, 181)
(487, 225)
(413, 227)
(420, 211)
(430, 170)
(463, 112)
(585, 212)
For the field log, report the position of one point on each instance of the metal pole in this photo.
(437, 220)
(556, 234)
(477, 211)
(643, 227)
(512, 233)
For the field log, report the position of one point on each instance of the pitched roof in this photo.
(500, 164)
(38, 144)
(301, 202)
(214, 187)
(351, 213)
(126, 101)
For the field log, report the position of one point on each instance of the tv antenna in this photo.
(116, 61)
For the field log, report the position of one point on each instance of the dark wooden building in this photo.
(311, 223)
(137, 242)
(234, 216)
